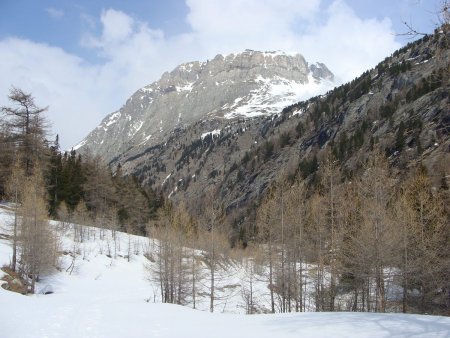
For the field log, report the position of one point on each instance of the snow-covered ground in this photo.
(112, 297)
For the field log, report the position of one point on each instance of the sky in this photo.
(84, 58)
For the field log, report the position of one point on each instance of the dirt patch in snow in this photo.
(13, 281)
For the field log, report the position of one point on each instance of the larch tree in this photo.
(38, 244)
(180, 224)
(249, 258)
(377, 228)
(211, 240)
(173, 264)
(15, 192)
(317, 238)
(354, 261)
(27, 124)
(81, 218)
(159, 233)
(296, 219)
(7, 155)
(403, 215)
(330, 183)
(429, 254)
(267, 237)
(194, 262)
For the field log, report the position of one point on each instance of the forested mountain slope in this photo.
(400, 107)
(356, 180)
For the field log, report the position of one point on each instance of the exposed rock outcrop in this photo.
(237, 85)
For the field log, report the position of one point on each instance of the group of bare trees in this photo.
(370, 244)
(34, 244)
(187, 254)
(174, 261)
(377, 242)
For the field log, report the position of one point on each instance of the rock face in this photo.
(183, 136)
(401, 107)
(237, 85)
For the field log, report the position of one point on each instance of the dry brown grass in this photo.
(13, 281)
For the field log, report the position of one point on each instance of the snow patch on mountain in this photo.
(274, 94)
(187, 87)
(246, 84)
(213, 133)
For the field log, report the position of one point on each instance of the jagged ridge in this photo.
(247, 84)
(401, 106)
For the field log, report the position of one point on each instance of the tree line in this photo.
(373, 243)
(378, 243)
(43, 182)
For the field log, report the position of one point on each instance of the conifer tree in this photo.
(54, 177)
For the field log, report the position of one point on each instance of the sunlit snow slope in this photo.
(111, 297)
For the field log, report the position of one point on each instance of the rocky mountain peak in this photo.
(244, 84)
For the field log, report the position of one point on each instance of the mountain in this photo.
(401, 107)
(246, 84)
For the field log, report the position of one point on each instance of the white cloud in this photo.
(347, 44)
(133, 54)
(117, 26)
(55, 13)
(334, 35)
(57, 79)
(247, 20)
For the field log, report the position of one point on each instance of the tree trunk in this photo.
(213, 262)
(211, 304)
(14, 255)
(194, 275)
(272, 300)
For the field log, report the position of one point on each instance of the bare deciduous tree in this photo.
(428, 254)
(27, 125)
(377, 227)
(267, 236)
(15, 191)
(174, 261)
(38, 244)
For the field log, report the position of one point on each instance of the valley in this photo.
(280, 174)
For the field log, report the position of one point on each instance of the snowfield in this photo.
(275, 94)
(112, 297)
